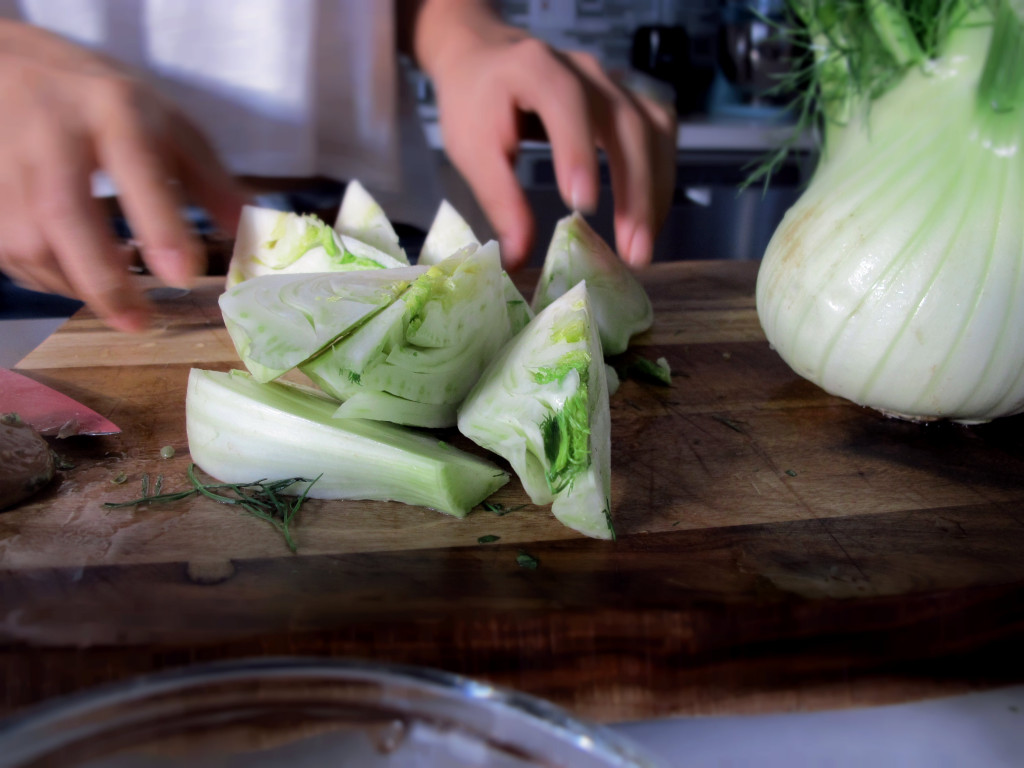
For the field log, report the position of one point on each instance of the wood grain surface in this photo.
(778, 549)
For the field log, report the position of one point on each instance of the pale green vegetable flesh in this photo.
(387, 407)
(279, 242)
(897, 279)
(448, 234)
(427, 348)
(620, 304)
(361, 217)
(278, 321)
(520, 313)
(542, 404)
(239, 429)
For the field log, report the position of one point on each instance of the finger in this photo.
(130, 152)
(492, 179)
(25, 255)
(203, 176)
(484, 154)
(36, 269)
(563, 106)
(664, 121)
(626, 136)
(71, 221)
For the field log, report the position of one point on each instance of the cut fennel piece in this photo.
(449, 233)
(620, 304)
(383, 406)
(520, 313)
(611, 379)
(239, 430)
(278, 321)
(271, 242)
(542, 404)
(360, 216)
(429, 346)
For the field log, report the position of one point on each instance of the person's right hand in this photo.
(489, 76)
(66, 113)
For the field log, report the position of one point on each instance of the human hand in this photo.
(68, 112)
(487, 75)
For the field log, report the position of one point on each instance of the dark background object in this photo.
(17, 303)
(711, 217)
(753, 54)
(673, 56)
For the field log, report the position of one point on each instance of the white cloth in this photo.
(282, 88)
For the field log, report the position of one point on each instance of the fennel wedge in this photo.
(576, 253)
(542, 404)
(360, 216)
(239, 429)
(271, 242)
(427, 348)
(278, 321)
(450, 233)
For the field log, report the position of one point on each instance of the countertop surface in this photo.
(790, 569)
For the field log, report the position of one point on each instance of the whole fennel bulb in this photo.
(897, 279)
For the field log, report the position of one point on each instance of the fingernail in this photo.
(581, 192)
(131, 320)
(640, 249)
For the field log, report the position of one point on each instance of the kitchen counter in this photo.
(781, 553)
(754, 133)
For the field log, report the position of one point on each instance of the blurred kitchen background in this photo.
(719, 60)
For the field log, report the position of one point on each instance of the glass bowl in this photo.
(301, 712)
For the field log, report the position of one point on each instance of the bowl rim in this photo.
(21, 733)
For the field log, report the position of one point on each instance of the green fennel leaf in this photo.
(527, 561)
(263, 499)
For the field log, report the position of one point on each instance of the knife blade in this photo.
(48, 411)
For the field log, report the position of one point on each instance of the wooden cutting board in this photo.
(777, 548)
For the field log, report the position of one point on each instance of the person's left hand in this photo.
(488, 76)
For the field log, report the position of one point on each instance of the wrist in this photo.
(449, 31)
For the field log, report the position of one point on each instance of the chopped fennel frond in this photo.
(620, 304)
(279, 242)
(428, 347)
(239, 429)
(361, 217)
(542, 404)
(278, 321)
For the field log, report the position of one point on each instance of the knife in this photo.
(48, 411)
